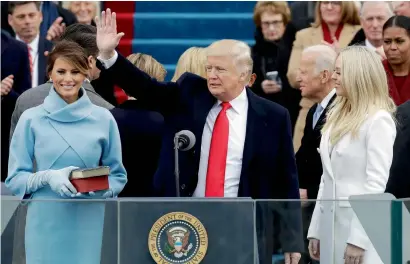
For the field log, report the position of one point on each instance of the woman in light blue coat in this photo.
(64, 133)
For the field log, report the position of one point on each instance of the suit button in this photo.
(183, 186)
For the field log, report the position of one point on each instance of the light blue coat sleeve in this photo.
(112, 157)
(21, 157)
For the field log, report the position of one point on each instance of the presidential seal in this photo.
(178, 238)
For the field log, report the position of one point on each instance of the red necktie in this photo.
(30, 59)
(215, 176)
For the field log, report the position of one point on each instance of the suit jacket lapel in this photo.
(4, 45)
(255, 123)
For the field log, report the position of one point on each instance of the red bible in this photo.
(90, 180)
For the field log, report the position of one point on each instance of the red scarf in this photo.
(398, 94)
(326, 32)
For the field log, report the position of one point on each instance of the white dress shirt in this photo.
(326, 100)
(369, 45)
(34, 56)
(237, 116)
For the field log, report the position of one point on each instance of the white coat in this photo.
(352, 167)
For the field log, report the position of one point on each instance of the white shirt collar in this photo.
(369, 45)
(326, 100)
(33, 44)
(239, 103)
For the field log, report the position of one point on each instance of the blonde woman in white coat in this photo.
(356, 151)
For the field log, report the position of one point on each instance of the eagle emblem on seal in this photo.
(178, 239)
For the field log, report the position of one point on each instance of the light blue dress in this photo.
(56, 135)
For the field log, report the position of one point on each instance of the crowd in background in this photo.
(294, 65)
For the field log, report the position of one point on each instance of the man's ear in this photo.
(325, 77)
(10, 20)
(90, 61)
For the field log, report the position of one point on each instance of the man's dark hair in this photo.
(12, 5)
(83, 35)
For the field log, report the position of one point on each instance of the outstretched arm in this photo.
(161, 96)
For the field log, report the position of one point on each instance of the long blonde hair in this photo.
(365, 81)
(149, 65)
(193, 60)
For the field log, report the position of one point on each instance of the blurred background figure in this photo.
(335, 24)
(399, 180)
(149, 65)
(15, 79)
(401, 8)
(396, 37)
(25, 18)
(356, 150)
(85, 11)
(192, 60)
(373, 15)
(271, 54)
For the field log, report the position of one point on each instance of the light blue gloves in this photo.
(58, 180)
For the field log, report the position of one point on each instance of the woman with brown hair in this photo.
(336, 24)
(64, 133)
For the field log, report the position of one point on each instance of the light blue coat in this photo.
(56, 135)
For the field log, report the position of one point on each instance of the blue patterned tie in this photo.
(316, 115)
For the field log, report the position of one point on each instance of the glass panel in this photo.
(62, 231)
(215, 231)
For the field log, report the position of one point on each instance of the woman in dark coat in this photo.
(274, 37)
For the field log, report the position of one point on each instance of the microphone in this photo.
(184, 140)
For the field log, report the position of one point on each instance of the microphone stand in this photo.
(176, 165)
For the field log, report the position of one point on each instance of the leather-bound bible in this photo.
(90, 179)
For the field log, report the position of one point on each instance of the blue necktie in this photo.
(317, 114)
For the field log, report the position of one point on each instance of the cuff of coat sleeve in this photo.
(110, 62)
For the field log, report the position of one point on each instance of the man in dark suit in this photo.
(399, 180)
(316, 84)
(68, 18)
(15, 76)
(259, 162)
(25, 19)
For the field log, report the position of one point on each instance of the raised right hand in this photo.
(107, 36)
(314, 249)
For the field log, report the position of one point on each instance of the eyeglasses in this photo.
(332, 3)
(275, 23)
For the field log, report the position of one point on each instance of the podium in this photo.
(149, 231)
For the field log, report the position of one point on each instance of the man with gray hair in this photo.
(373, 15)
(243, 142)
(316, 84)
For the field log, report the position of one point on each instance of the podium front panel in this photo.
(187, 231)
